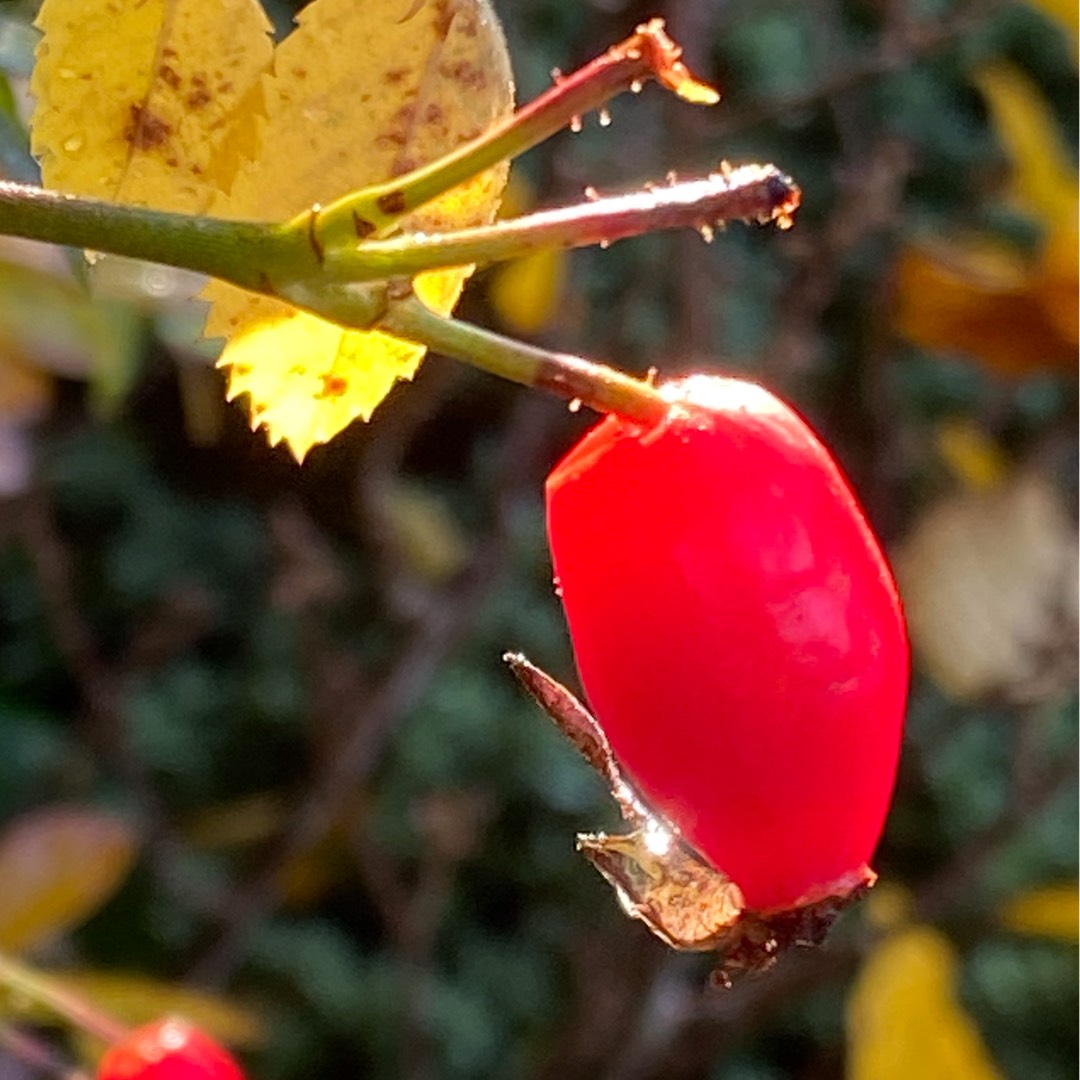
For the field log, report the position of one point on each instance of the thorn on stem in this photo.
(313, 239)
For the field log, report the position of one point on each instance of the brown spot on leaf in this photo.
(396, 75)
(172, 162)
(444, 16)
(393, 202)
(465, 74)
(333, 386)
(433, 114)
(299, 72)
(145, 130)
(363, 227)
(199, 98)
(241, 369)
(390, 139)
(169, 76)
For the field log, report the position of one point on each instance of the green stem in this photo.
(648, 53)
(28, 986)
(243, 252)
(601, 388)
(756, 192)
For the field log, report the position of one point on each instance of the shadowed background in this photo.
(257, 741)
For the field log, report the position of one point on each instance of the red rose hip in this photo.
(738, 636)
(169, 1049)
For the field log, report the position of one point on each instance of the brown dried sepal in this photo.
(661, 880)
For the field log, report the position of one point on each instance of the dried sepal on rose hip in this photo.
(740, 640)
(168, 1049)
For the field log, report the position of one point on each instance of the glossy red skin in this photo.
(737, 632)
(168, 1049)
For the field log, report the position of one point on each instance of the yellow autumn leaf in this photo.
(138, 101)
(359, 93)
(968, 295)
(25, 392)
(525, 293)
(989, 583)
(1051, 911)
(58, 866)
(137, 999)
(1042, 179)
(904, 1019)
(974, 458)
(1065, 12)
(972, 297)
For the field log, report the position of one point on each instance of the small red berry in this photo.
(169, 1049)
(738, 634)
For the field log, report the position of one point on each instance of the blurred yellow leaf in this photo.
(889, 906)
(970, 298)
(972, 456)
(49, 324)
(428, 81)
(904, 1019)
(25, 392)
(989, 584)
(137, 999)
(525, 293)
(136, 101)
(1052, 911)
(968, 295)
(1065, 12)
(58, 866)
(429, 540)
(1042, 180)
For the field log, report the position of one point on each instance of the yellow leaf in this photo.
(1065, 12)
(968, 296)
(25, 392)
(427, 538)
(989, 584)
(969, 452)
(359, 93)
(57, 867)
(904, 1019)
(1052, 911)
(137, 999)
(1043, 180)
(138, 102)
(525, 293)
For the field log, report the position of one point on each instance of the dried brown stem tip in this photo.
(661, 880)
(663, 56)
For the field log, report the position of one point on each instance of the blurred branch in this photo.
(101, 686)
(898, 48)
(433, 640)
(36, 1054)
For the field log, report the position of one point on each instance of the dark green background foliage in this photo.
(270, 666)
